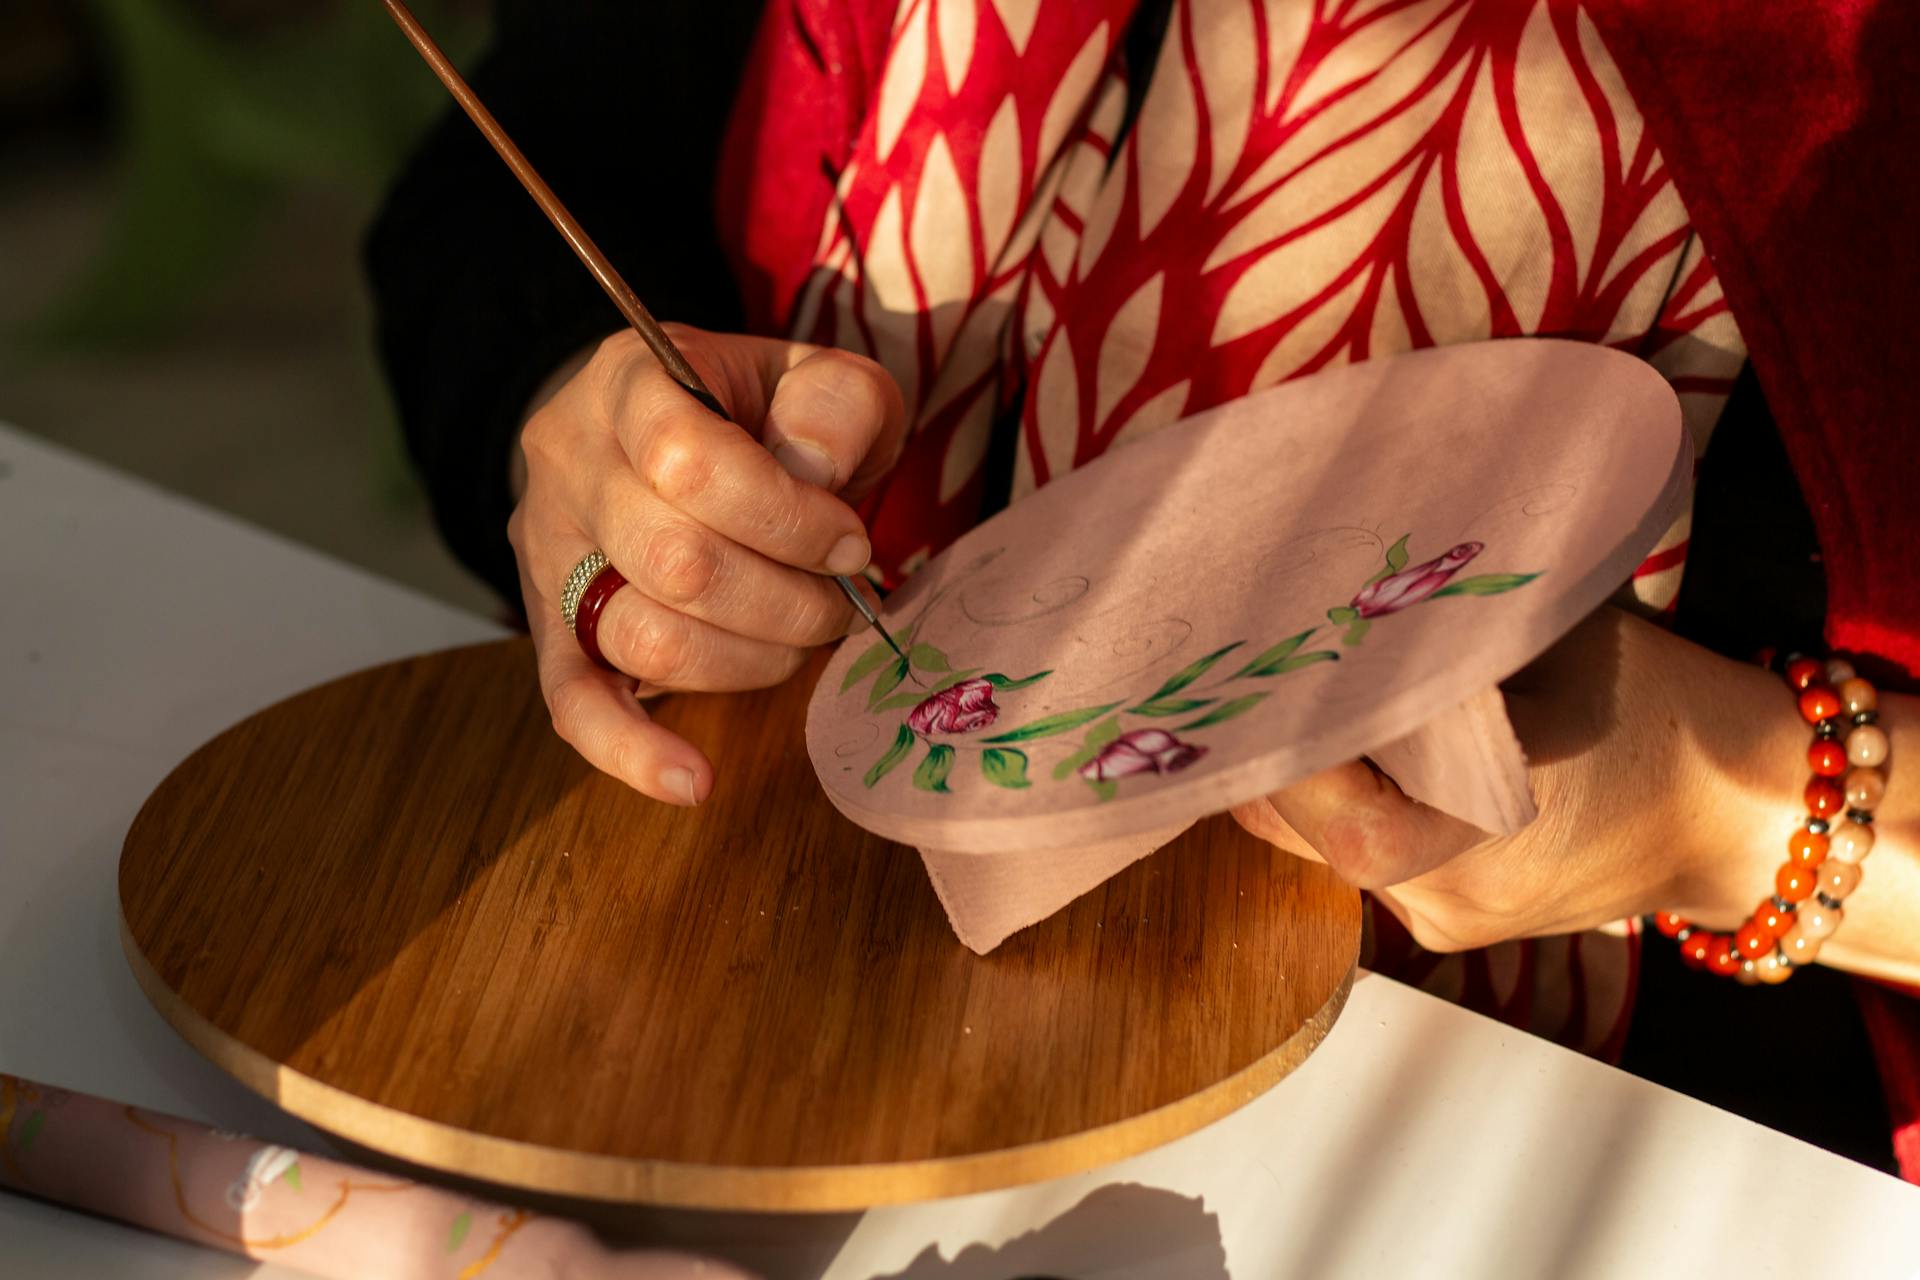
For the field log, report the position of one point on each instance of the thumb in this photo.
(836, 420)
(1367, 829)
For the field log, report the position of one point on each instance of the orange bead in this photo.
(1827, 757)
(1721, 957)
(1825, 798)
(1819, 703)
(1754, 940)
(1804, 673)
(1693, 952)
(1808, 848)
(1668, 923)
(1772, 918)
(1795, 883)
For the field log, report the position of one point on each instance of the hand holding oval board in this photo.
(1341, 566)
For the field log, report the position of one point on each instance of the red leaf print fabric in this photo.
(1307, 183)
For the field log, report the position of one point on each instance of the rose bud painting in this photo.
(963, 708)
(1142, 751)
(1413, 584)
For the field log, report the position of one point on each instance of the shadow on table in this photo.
(1120, 1230)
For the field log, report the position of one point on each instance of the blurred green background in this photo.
(183, 188)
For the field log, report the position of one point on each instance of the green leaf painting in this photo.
(291, 1175)
(1486, 584)
(931, 775)
(1005, 767)
(1396, 560)
(928, 658)
(1128, 738)
(1265, 664)
(1225, 711)
(866, 664)
(1169, 706)
(1188, 674)
(888, 681)
(1050, 725)
(457, 1233)
(902, 743)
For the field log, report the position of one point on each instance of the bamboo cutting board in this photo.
(399, 906)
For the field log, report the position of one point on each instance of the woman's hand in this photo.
(1667, 778)
(724, 533)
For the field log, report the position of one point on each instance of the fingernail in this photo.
(807, 462)
(679, 782)
(849, 555)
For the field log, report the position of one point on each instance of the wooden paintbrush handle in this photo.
(603, 270)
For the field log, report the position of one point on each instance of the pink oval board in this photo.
(1258, 592)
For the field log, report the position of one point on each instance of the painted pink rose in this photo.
(1413, 584)
(1142, 751)
(962, 708)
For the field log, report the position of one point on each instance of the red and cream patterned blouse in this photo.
(1307, 183)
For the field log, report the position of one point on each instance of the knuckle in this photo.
(855, 385)
(652, 642)
(675, 466)
(537, 437)
(681, 564)
(517, 530)
(822, 616)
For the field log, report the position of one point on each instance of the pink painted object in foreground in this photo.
(328, 1219)
(1340, 566)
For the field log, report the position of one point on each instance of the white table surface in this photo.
(1419, 1140)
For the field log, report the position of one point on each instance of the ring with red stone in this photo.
(586, 592)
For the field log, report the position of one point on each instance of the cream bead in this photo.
(1816, 921)
(1837, 879)
(1867, 746)
(1748, 974)
(1850, 842)
(1772, 970)
(1839, 671)
(1799, 946)
(1857, 696)
(1866, 788)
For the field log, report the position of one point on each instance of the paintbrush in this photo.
(589, 253)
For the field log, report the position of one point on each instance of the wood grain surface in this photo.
(401, 907)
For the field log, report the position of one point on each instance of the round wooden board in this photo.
(401, 907)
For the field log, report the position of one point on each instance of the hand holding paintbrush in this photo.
(637, 473)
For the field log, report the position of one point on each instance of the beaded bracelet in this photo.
(1824, 854)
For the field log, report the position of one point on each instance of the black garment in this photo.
(479, 300)
(621, 105)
